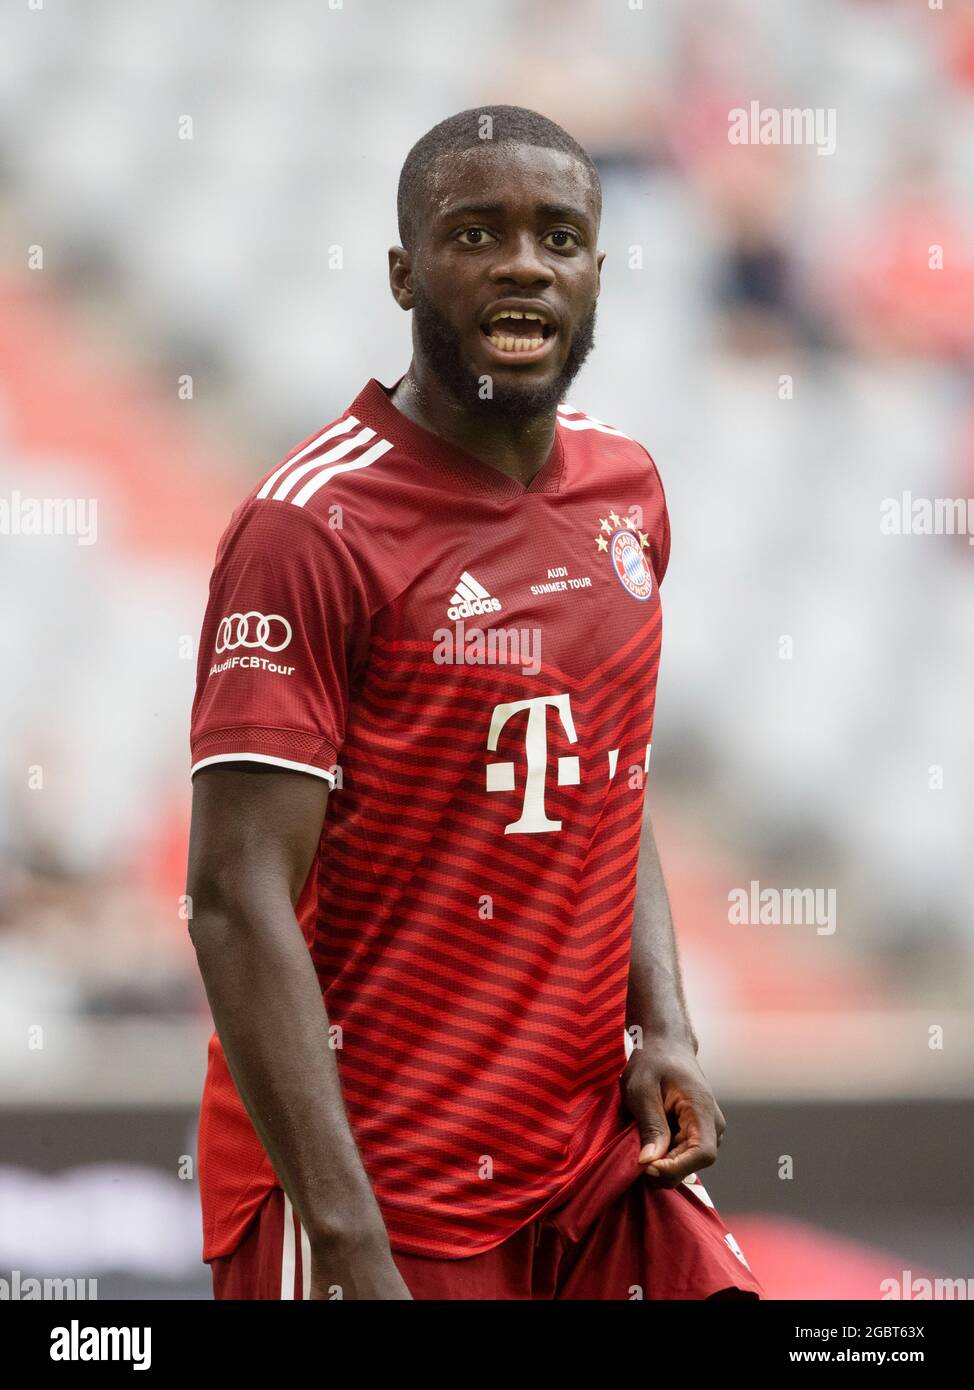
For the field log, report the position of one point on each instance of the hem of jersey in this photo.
(329, 777)
(219, 1246)
(545, 1207)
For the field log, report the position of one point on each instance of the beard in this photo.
(441, 345)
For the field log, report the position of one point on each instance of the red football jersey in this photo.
(471, 664)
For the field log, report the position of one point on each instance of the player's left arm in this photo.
(680, 1122)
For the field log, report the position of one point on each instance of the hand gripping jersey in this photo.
(471, 665)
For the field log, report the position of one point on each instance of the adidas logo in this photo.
(471, 599)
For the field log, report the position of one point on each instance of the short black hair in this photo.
(508, 125)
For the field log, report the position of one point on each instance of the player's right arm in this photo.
(285, 630)
(255, 833)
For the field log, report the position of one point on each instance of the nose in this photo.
(521, 263)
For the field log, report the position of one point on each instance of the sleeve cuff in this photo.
(284, 748)
(329, 777)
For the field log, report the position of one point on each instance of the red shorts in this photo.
(610, 1235)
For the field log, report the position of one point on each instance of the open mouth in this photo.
(517, 331)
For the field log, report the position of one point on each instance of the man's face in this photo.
(504, 277)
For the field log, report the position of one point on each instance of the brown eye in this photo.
(473, 236)
(561, 239)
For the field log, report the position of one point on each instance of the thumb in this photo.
(654, 1130)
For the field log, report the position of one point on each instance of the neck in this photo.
(518, 448)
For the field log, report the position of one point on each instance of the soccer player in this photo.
(420, 742)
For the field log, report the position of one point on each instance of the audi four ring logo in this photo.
(253, 630)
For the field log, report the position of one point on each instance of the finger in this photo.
(654, 1129)
(689, 1119)
(695, 1121)
(681, 1161)
(695, 1143)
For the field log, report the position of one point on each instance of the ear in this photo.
(401, 276)
(598, 267)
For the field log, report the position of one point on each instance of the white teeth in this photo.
(508, 344)
(517, 314)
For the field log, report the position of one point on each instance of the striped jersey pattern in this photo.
(469, 913)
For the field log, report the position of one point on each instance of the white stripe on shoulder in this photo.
(340, 427)
(318, 480)
(571, 419)
(347, 446)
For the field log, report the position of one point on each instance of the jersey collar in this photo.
(374, 408)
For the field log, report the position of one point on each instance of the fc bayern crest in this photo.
(622, 540)
(630, 565)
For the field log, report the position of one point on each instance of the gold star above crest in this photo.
(601, 542)
(643, 539)
(615, 519)
(605, 525)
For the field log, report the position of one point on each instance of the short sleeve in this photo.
(286, 624)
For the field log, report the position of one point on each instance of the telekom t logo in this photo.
(500, 776)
